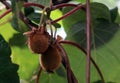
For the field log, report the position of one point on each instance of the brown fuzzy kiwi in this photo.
(38, 40)
(50, 59)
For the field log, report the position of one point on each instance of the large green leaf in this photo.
(104, 44)
(98, 10)
(8, 70)
(102, 30)
(107, 57)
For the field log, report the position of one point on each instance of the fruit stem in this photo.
(38, 76)
(51, 30)
(42, 16)
(55, 33)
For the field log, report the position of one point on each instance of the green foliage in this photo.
(28, 10)
(52, 78)
(114, 13)
(17, 23)
(43, 2)
(8, 73)
(68, 22)
(35, 16)
(104, 42)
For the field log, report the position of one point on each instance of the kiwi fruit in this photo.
(50, 59)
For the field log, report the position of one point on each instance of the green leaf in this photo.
(114, 13)
(26, 59)
(56, 14)
(77, 61)
(56, 25)
(8, 70)
(104, 44)
(17, 5)
(17, 23)
(81, 1)
(21, 55)
(106, 56)
(4, 48)
(18, 40)
(117, 19)
(43, 2)
(61, 71)
(52, 78)
(111, 3)
(35, 17)
(102, 29)
(77, 16)
(98, 11)
(28, 10)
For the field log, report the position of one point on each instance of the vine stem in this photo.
(88, 41)
(25, 5)
(84, 51)
(63, 5)
(69, 13)
(7, 5)
(66, 62)
(28, 4)
(5, 13)
(70, 76)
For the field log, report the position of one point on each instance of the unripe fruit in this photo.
(50, 59)
(38, 40)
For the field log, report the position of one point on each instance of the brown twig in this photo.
(63, 5)
(5, 13)
(69, 13)
(28, 4)
(88, 41)
(7, 5)
(25, 5)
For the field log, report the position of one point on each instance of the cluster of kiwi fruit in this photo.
(39, 42)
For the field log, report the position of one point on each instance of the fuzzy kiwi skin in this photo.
(37, 41)
(51, 59)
